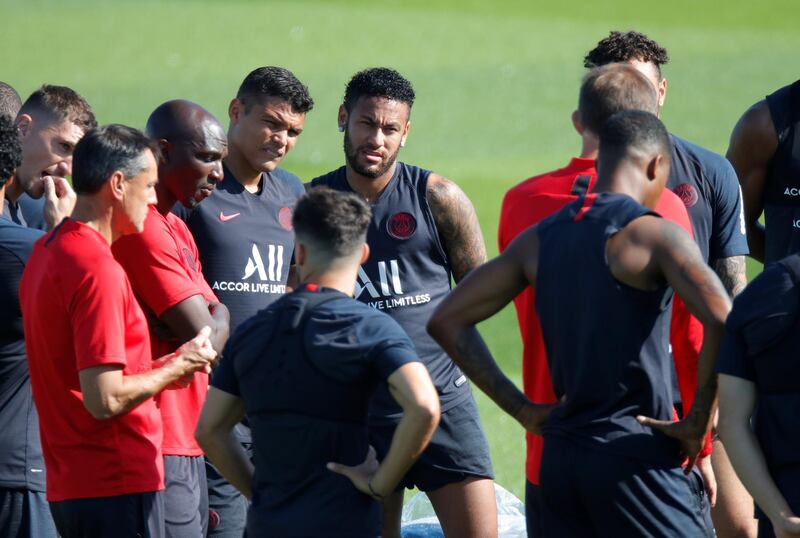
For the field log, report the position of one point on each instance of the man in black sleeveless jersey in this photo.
(765, 152)
(423, 231)
(304, 369)
(603, 267)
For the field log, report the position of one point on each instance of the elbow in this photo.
(101, 410)
(203, 435)
(436, 326)
(425, 409)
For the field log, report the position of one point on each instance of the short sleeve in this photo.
(755, 324)
(154, 266)
(390, 346)
(728, 234)
(97, 315)
(224, 375)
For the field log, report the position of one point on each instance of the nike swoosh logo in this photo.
(225, 218)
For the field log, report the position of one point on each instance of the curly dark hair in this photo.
(278, 82)
(333, 221)
(9, 100)
(378, 82)
(10, 149)
(624, 47)
(62, 103)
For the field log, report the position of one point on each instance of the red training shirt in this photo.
(79, 312)
(163, 265)
(532, 201)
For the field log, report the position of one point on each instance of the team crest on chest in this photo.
(401, 225)
(687, 193)
(285, 218)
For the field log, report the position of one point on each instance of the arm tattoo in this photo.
(458, 226)
(731, 272)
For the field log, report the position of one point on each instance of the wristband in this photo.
(372, 491)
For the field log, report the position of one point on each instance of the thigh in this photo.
(182, 497)
(227, 508)
(467, 508)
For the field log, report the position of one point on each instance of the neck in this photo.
(368, 187)
(97, 216)
(590, 146)
(165, 200)
(343, 280)
(13, 190)
(2, 198)
(623, 178)
(249, 177)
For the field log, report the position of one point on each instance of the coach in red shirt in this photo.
(163, 266)
(92, 373)
(604, 92)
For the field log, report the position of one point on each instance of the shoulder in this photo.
(443, 194)
(672, 208)
(756, 127)
(288, 181)
(18, 239)
(712, 165)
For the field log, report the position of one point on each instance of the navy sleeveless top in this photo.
(607, 343)
(782, 188)
(407, 275)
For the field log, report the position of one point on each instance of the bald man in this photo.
(163, 266)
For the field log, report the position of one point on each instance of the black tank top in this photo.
(607, 343)
(782, 189)
(407, 275)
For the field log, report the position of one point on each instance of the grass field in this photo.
(496, 83)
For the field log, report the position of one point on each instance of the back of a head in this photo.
(10, 149)
(265, 82)
(378, 82)
(633, 133)
(624, 47)
(10, 101)
(108, 149)
(332, 223)
(613, 88)
(59, 103)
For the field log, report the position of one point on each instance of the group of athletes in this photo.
(194, 343)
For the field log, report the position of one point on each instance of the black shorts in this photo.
(534, 508)
(123, 516)
(595, 493)
(25, 513)
(185, 496)
(458, 450)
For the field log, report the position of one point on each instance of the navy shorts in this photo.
(534, 509)
(458, 450)
(25, 513)
(123, 516)
(185, 496)
(227, 508)
(595, 493)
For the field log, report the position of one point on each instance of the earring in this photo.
(403, 144)
(341, 128)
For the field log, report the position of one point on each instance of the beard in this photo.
(372, 172)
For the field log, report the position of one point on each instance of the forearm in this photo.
(732, 271)
(755, 240)
(468, 350)
(412, 435)
(227, 454)
(748, 460)
(705, 400)
(220, 330)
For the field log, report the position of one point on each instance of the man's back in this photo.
(306, 367)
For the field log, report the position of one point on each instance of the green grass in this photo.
(496, 83)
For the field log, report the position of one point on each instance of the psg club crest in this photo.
(187, 255)
(687, 193)
(401, 225)
(285, 218)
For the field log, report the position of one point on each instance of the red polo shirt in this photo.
(79, 312)
(163, 265)
(532, 201)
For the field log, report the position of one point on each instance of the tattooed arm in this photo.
(732, 272)
(458, 226)
(483, 293)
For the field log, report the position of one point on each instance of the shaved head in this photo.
(193, 144)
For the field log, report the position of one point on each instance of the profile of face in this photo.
(47, 149)
(191, 168)
(138, 192)
(374, 131)
(264, 131)
(649, 70)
